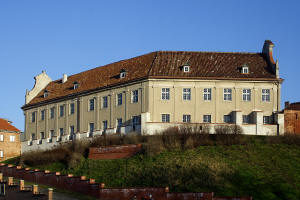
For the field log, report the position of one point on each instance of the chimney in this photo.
(268, 51)
(286, 104)
(65, 78)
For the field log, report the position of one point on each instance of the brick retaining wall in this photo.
(114, 152)
(89, 187)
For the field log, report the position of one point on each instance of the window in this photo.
(52, 110)
(61, 110)
(12, 138)
(267, 119)
(72, 130)
(186, 94)
(75, 85)
(42, 134)
(165, 117)
(119, 122)
(92, 104)
(119, 99)
(227, 118)
(104, 102)
(186, 68)
(104, 125)
(32, 136)
(207, 94)
(186, 118)
(1, 138)
(245, 70)
(46, 93)
(227, 94)
(33, 117)
(122, 74)
(246, 95)
(136, 120)
(51, 134)
(1, 154)
(72, 108)
(247, 119)
(207, 118)
(91, 127)
(135, 96)
(265, 95)
(165, 93)
(61, 132)
(43, 115)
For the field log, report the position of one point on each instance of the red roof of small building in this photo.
(293, 106)
(5, 125)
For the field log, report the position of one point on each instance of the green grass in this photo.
(261, 167)
(264, 171)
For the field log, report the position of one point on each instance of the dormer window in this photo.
(75, 85)
(46, 93)
(122, 73)
(186, 68)
(245, 70)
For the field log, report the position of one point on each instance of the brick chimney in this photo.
(268, 51)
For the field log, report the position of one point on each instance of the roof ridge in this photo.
(163, 51)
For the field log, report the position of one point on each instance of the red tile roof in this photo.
(162, 64)
(6, 126)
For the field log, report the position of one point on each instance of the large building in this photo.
(149, 93)
(10, 145)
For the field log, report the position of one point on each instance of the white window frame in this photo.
(207, 94)
(246, 94)
(269, 121)
(92, 104)
(122, 74)
(165, 118)
(51, 134)
(75, 86)
(186, 68)
(105, 102)
(165, 93)
(186, 118)
(72, 130)
(227, 121)
(72, 108)
(1, 138)
(119, 124)
(61, 132)
(12, 138)
(1, 153)
(104, 125)
(227, 94)
(265, 95)
(33, 117)
(52, 112)
(245, 70)
(119, 99)
(135, 96)
(206, 118)
(61, 110)
(186, 94)
(43, 113)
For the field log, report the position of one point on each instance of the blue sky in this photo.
(69, 36)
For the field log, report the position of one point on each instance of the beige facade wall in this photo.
(216, 107)
(9, 148)
(81, 120)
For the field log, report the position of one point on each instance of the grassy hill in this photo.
(229, 165)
